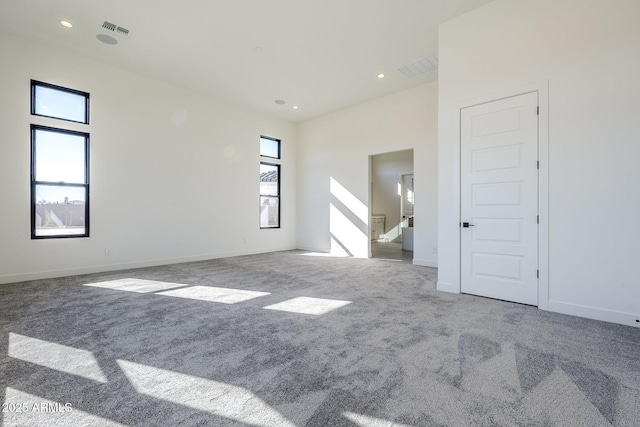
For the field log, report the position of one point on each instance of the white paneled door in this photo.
(499, 199)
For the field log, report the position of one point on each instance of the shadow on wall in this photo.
(348, 222)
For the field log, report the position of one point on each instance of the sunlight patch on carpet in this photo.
(307, 305)
(55, 356)
(367, 421)
(221, 399)
(326, 254)
(213, 294)
(141, 286)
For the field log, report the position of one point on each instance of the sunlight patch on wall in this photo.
(348, 222)
(136, 285)
(392, 234)
(349, 200)
(337, 249)
(213, 294)
(55, 356)
(346, 235)
(224, 400)
(307, 305)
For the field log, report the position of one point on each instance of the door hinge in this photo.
(538, 164)
(538, 110)
(537, 274)
(538, 219)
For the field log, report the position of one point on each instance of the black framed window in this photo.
(59, 183)
(269, 195)
(269, 147)
(59, 164)
(269, 183)
(59, 102)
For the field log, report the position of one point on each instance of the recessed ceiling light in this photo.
(381, 76)
(66, 24)
(280, 101)
(295, 107)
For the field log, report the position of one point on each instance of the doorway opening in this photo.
(391, 207)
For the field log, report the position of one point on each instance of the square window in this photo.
(59, 156)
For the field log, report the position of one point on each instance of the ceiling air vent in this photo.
(109, 26)
(109, 33)
(114, 30)
(420, 67)
(123, 32)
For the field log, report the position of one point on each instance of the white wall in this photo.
(386, 173)
(589, 53)
(174, 173)
(338, 146)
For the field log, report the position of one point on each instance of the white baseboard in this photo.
(447, 287)
(50, 274)
(425, 262)
(619, 317)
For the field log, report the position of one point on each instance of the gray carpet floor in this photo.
(286, 339)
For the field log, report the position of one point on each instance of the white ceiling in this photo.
(322, 55)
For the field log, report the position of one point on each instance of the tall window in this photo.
(269, 182)
(59, 164)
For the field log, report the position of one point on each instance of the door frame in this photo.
(542, 88)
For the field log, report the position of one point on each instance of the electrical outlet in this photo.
(107, 252)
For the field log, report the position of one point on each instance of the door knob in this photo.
(467, 225)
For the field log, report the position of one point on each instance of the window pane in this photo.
(60, 157)
(270, 148)
(269, 179)
(269, 212)
(60, 104)
(60, 210)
